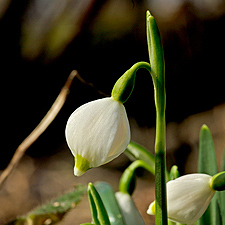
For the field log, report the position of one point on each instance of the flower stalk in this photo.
(158, 72)
(128, 175)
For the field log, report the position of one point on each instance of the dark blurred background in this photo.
(41, 42)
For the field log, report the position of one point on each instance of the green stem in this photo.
(122, 91)
(128, 175)
(160, 168)
(156, 57)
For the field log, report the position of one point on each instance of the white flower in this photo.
(187, 198)
(128, 209)
(96, 133)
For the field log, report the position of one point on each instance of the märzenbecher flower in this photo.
(187, 198)
(96, 133)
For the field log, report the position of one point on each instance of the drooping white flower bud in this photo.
(96, 133)
(128, 209)
(187, 198)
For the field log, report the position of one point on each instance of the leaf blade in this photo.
(207, 164)
(109, 200)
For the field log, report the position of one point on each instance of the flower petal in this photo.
(188, 197)
(98, 131)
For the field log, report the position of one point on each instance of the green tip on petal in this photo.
(81, 165)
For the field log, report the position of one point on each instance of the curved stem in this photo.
(144, 65)
(129, 174)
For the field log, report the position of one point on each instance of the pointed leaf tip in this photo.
(204, 127)
(148, 14)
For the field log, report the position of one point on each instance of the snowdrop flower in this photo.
(128, 209)
(187, 198)
(96, 133)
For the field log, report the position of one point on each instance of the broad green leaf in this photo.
(54, 211)
(109, 200)
(129, 210)
(207, 164)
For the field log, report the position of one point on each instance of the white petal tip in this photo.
(151, 209)
(77, 172)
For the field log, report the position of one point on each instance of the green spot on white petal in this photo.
(81, 165)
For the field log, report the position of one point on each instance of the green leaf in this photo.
(54, 211)
(223, 162)
(99, 213)
(222, 205)
(222, 194)
(207, 164)
(174, 173)
(86, 224)
(109, 200)
(94, 211)
(207, 157)
(171, 222)
(129, 210)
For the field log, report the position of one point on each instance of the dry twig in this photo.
(41, 127)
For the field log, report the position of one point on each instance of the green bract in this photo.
(125, 84)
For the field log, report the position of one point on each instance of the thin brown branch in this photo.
(41, 127)
(91, 85)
